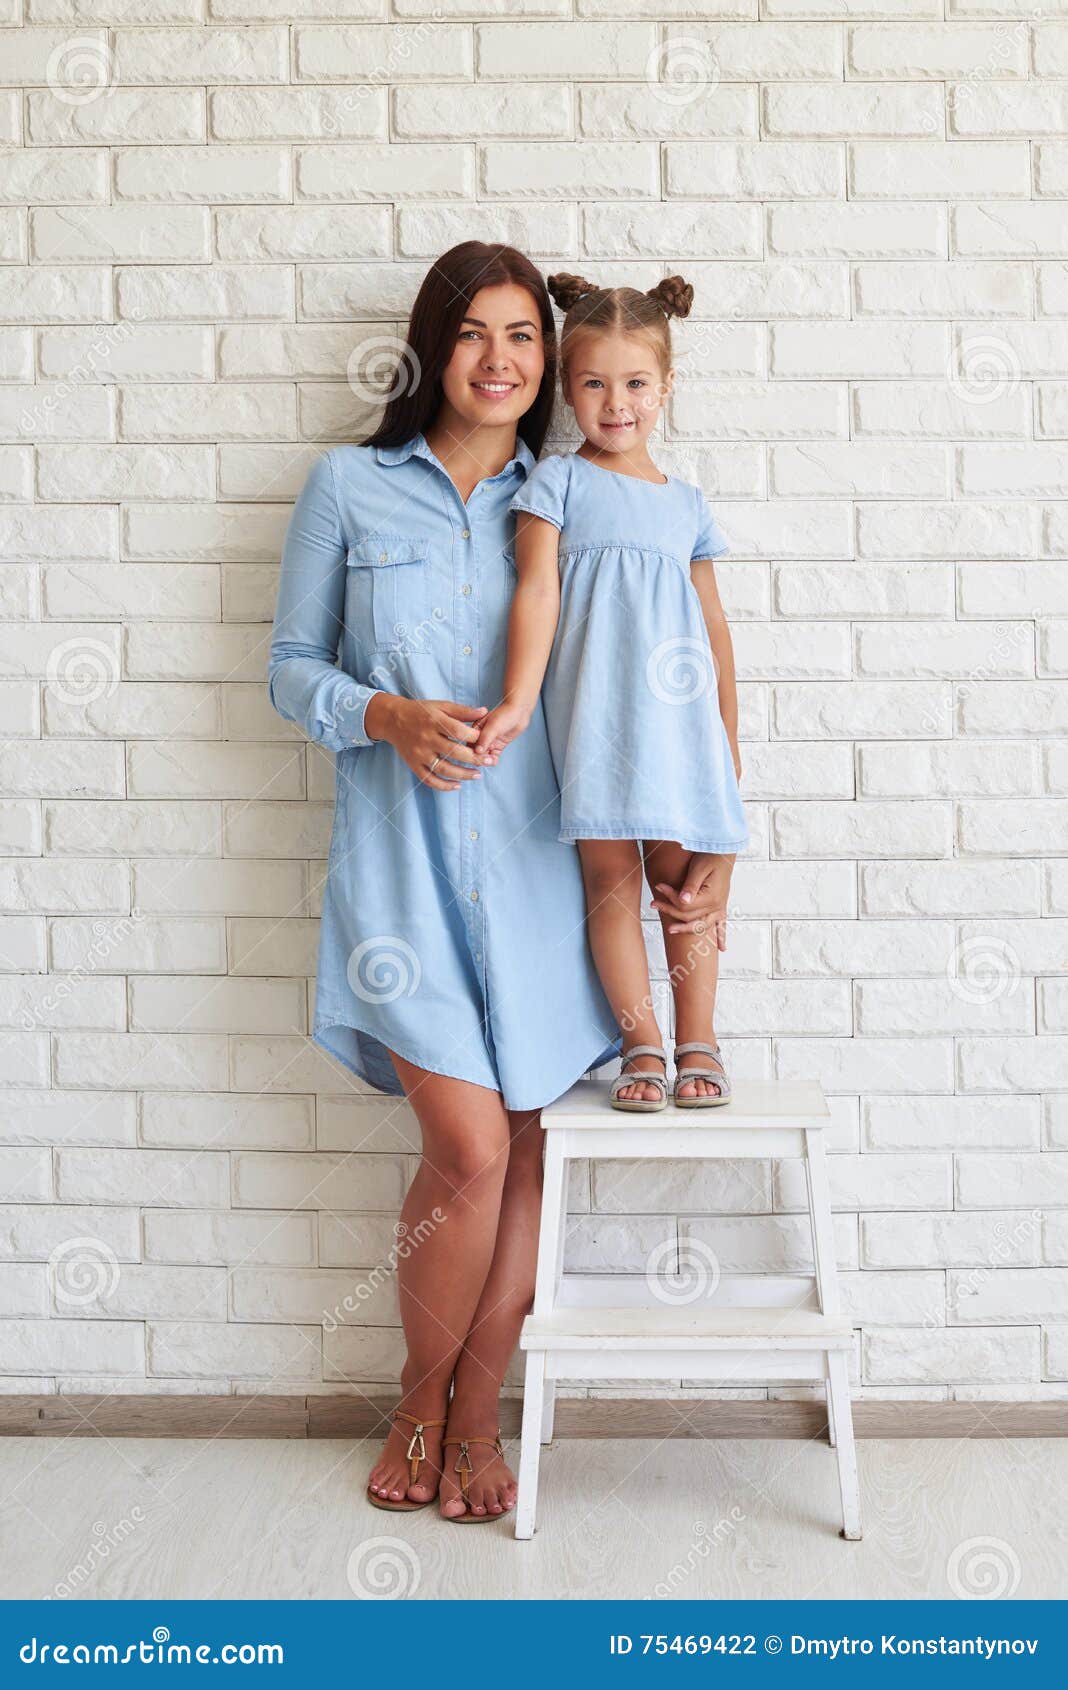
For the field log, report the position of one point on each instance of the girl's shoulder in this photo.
(553, 471)
(544, 492)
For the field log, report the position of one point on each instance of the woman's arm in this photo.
(531, 630)
(703, 576)
(304, 682)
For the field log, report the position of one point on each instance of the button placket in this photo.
(470, 794)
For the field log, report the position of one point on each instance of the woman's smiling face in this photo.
(498, 361)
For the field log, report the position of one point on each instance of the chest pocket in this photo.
(388, 598)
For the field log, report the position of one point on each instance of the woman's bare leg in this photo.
(612, 873)
(506, 1297)
(461, 1175)
(693, 966)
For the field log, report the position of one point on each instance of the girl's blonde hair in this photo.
(592, 309)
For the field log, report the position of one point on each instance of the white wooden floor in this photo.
(629, 1518)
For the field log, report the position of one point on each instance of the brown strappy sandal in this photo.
(465, 1469)
(416, 1453)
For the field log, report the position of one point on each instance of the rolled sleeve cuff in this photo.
(342, 722)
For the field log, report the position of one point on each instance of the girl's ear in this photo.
(565, 389)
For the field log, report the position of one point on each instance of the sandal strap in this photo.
(638, 1076)
(636, 1079)
(696, 1045)
(416, 1451)
(644, 1050)
(464, 1465)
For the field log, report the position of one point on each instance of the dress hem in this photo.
(324, 1023)
(570, 835)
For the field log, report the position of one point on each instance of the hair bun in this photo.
(673, 295)
(568, 290)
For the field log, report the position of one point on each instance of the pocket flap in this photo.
(380, 551)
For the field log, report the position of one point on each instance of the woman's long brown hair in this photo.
(443, 300)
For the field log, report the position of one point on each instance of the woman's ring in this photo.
(436, 761)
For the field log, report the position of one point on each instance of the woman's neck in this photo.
(469, 454)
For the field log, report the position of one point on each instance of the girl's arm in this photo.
(703, 576)
(531, 630)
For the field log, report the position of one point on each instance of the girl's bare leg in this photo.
(612, 872)
(693, 966)
(461, 1175)
(490, 1344)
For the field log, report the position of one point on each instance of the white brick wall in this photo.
(204, 208)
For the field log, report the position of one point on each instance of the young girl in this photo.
(616, 609)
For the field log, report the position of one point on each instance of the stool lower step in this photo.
(697, 1327)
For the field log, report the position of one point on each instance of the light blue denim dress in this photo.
(631, 691)
(453, 923)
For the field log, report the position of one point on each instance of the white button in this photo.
(383, 557)
(474, 897)
(466, 534)
(478, 956)
(466, 589)
(474, 833)
(467, 651)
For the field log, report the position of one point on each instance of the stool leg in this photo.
(553, 1225)
(838, 1386)
(831, 1439)
(530, 1447)
(819, 1214)
(548, 1411)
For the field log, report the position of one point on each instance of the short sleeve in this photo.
(711, 540)
(544, 493)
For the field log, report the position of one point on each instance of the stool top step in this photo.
(704, 1326)
(753, 1103)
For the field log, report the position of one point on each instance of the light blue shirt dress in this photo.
(631, 692)
(453, 923)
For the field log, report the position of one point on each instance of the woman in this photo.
(453, 963)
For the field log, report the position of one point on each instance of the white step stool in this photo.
(750, 1326)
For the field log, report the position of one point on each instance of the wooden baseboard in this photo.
(358, 1417)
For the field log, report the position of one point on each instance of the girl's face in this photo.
(498, 361)
(615, 386)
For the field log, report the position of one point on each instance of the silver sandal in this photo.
(683, 1074)
(640, 1105)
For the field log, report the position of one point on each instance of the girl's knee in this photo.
(610, 865)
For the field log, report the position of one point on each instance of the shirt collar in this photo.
(417, 447)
